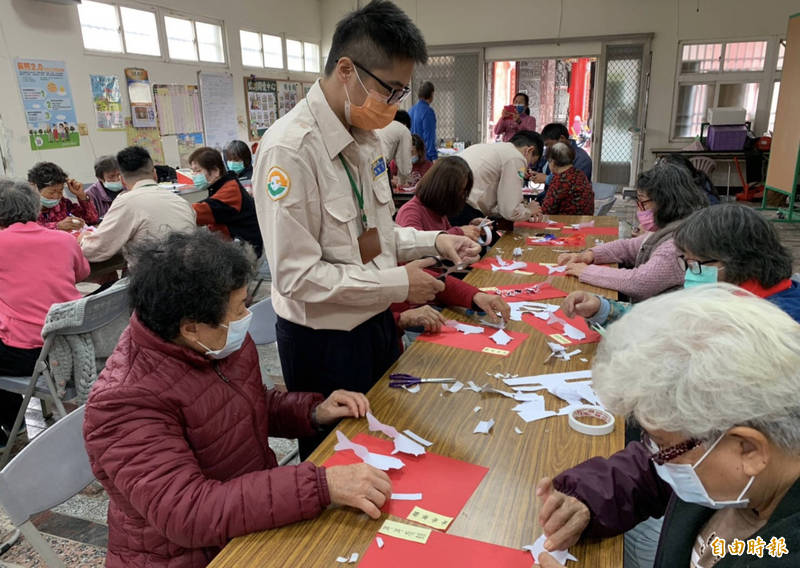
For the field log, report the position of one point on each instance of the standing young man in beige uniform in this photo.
(325, 209)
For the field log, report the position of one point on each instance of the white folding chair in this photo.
(28, 486)
(107, 311)
(603, 207)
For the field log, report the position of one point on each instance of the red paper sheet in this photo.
(480, 342)
(575, 240)
(556, 330)
(591, 231)
(546, 292)
(532, 267)
(529, 225)
(442, 550)
(446, 484)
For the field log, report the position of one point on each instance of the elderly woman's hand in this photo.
(587, 257)
(575, 269)
(360, 486)
(581, 304)
(71, 224)
(341, 404)
(76, 188)
(563, 518)
(492, 304)
(539, 177)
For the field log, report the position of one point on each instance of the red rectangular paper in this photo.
(480, 342)
(529, 225)
(446, 484)
(546, 292)
(591, 231)
(533, 267)
(558, 329)
(442, 550)
(577, 240)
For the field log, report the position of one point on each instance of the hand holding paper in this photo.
(563, 518)
(580, 303)
(492, 305)
(341, 404)
(360, 486)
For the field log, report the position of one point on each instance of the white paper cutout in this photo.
(402, 443)
(407, 496)
(455, 387)
(476, 409)
(507, 266)
(556, 269)
(551, 378)
(517, 430)
(501, 337)
(416, 438)
(517, 252)
(414, 389)
(353, 558)
(483, 426)
(464, 328)
(537, 548)
(473, 387)
(379, 461)
(379, 541)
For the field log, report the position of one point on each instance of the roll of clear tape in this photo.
(587, 411)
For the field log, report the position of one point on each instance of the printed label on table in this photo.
(523, 273)
(560, 338)
(493, 351)
(404, 531)
(488, 289)
(430, 518)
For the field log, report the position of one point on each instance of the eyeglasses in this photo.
(641, 202)
(694, 266)
(395, 96)
(660, 456)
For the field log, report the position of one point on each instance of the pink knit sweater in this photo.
(662, 272)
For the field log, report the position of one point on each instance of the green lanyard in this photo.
(358, 193)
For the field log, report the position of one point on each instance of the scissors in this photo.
(445, 267)
(400, 380)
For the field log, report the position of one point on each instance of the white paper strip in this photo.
(544, 379)
(407, 496)
(416, 438)
(537, 548)
(379, 461)
(379, 541)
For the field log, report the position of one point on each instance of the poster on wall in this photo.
(107, 102)
(262, 105)
(288, 95)
(218, 106)
(147, 138)
(47, 100)
(188, 143)
(143, 109)
(307, 88)
(178, 109)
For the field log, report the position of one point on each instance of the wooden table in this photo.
(503, 510)
(99, 271)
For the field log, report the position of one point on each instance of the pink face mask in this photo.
(646, 221)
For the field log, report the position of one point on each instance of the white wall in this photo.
(35, 29)
(478, 22)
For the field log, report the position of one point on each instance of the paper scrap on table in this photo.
(501, 338)
(584, 360)
(476, 409)
(556, 269)
(464, 328)
(352, 559)
(414, 389)
(407, 496)
(379, 461)
(508, 266)
(548, 379)
(537, 548)
(455, 387)
(379, 541)
(483, 426)
(569, 330)
(538, 309)
(430, 518)
(517, 252)
(404, 531)
(473, 387)
(487, 388)
(402, 443)
(517, 430)
(560, 352)
(416, 438)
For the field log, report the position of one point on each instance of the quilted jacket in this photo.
(180, 444)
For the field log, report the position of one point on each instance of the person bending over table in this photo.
(569, 192)
(441, 192)
(177, 424)
(38, 267)
(650, 265)
(57, 211)
(711, 374)
(239, 159)
(228, 208)
(729, 243)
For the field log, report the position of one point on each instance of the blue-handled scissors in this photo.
(445, 267)
(400, 380)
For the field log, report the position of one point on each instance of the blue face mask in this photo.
(49, 203)
(520, 108)
(200, 181)
(709, 275)
(237, 167)
(114, 186)
(414, 159)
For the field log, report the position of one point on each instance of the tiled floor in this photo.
(77, 529)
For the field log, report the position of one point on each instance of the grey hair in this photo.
(701, 361)
(673, 190)
(741, 239)
(19, 202)
(561, 154)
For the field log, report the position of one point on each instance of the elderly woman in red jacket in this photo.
(177, 424)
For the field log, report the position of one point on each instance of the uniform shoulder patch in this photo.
(278, 183)
(378, 167)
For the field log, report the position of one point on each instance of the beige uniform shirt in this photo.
(310, 220)
(498, 186)
(146, 210)
(396, 142)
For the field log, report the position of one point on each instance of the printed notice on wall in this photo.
(107, 102)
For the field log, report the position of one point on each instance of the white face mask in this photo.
(687, 485)
(237, 331)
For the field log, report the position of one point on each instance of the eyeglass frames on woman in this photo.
(395, 96)
(660, 456)
(694, 266)
(642, 202)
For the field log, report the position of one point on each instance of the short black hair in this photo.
(375, 36)
(44, 174)
(554, 131)
(673, 191)
(445, 187)
(425, 91)
(186, 277)
(208, 159)
(134, 161)
(740, 238)
(419, 145)
(528, 138)
(105, 165)
(527, 101)
(238, 150)
(403, 118)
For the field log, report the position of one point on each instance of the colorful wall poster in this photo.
(107, 102)
(143, 109)
(188, 143)
(289, 93)
(307, 88)
(178, 109)
(262, 105)
(147, 138)
(47, 100)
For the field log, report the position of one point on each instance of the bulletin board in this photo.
(178, 109)
(784, 160)
(261, 102)
(307, 88)
(218, 107)
(289, 93)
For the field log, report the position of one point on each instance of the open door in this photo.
(624, 74)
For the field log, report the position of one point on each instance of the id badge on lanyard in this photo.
(369, 242)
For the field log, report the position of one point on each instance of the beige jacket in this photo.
(498, 169)
(310, 220)
(145, 210)
(396, 143)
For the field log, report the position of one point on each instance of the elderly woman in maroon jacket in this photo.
(177, 424)
(711, 374)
